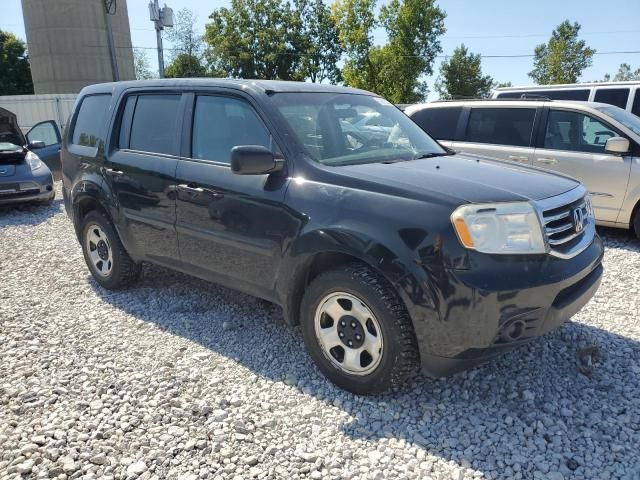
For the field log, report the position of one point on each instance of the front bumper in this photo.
(505, 304)
(38, 189)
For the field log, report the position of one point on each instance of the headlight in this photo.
(499, 228)
(33, 160)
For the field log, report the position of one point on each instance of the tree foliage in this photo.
(317, 40)
(255, 39)
(461, 76)
(395, 69)
(187, 47)
(141, 65)
(15, 72)
(184, 66)
(623, 74)
(563, 58)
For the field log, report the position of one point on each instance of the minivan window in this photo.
(612, 96)
(576, 132)
(635, 109)
(221, 123)
(581, 94)
(90, 122)
(154, 124)
(440, 122)
(329, 127)
(501, 126)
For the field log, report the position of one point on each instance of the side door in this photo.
(232, 228)
(141, 169)
(573, 144)
(49, 134)
(505, 133)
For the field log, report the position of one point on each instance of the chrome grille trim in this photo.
(556, 217)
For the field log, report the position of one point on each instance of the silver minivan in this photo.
(599, 144)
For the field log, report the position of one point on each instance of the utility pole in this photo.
(161, 18)
(109, 11)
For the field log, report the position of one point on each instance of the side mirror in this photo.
(617, 145)
(34, 145)
(254, 160)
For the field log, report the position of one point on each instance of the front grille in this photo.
(567, 223)
(9, 188)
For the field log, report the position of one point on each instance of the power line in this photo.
(532, 35)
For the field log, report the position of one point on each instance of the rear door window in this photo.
(501, 126)
(221, 123)
(613, 96)
(440, 123)
(89, 127)
(154, 123)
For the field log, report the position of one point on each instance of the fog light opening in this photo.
(49, 188)
(513, 331)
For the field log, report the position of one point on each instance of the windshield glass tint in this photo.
(627, 119)
(345, 129)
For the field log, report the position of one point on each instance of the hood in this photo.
(9, 130)
(469, 178)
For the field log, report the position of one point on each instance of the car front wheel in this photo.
(357, 330)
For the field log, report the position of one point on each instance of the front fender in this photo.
(396, 262)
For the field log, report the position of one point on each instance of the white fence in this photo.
(32, 109)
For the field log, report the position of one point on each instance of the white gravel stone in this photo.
(146, 383)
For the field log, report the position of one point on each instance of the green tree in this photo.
(623, 74)
(187, 47)
(396, 69)
(15, 72)
(141, 64)
(185, 65)
(255, 39)
(461, 76)
(563, 58)
(317, 41)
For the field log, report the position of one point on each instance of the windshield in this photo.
(345, 129)
(627, 119)
(4, 146)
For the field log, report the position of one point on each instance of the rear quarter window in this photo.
(440, 123)
(613, 96)
(90, 124)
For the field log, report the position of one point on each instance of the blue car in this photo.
(24, 177)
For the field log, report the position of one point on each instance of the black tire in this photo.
(636, 224)
(124, 271)
(400, 357)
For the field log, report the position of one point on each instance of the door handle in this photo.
(547, 161)
(192, 188)
(189, 188)
(112, 171)
(518, 158)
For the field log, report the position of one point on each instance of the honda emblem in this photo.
(578, 219)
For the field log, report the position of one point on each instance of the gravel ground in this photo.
(177, 378)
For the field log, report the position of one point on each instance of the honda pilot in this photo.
(389, 251)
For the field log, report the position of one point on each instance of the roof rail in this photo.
(535, 96)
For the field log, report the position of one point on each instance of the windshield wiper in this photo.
(432, 155)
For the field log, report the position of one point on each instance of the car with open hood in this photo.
(23, 175)
(390, 252)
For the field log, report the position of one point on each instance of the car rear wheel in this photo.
(108, 261)
(357, 330)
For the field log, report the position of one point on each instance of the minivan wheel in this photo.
(636, 224)
(108, 261)
(357, 330)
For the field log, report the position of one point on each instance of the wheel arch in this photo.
(323, 250)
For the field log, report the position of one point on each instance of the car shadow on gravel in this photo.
(528, 411)
(619, 238)
(29, 214)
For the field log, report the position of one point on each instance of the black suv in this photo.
(390, 251)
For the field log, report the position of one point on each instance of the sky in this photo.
(487, 27)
